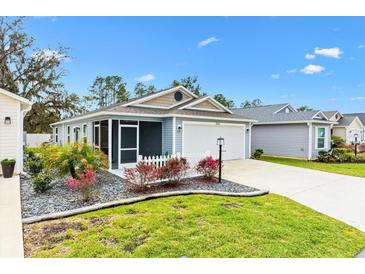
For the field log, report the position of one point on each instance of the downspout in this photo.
(310, 140)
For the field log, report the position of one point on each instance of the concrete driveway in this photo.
(339, 196)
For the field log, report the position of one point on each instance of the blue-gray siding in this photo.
(167, 136)
(281, 140)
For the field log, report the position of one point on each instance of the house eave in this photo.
(295, 122)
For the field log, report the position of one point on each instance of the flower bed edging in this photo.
(128, 201)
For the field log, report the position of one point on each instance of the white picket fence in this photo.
(159, 160)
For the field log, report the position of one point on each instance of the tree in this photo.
(141, 89)
(224, 101)
(190, 82)
(34, 74)
(108, 90)
(304, 108)
(254, 103)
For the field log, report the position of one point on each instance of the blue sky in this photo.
(314, 61)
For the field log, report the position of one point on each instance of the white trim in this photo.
(310, 140)
(325, 138)
(94, 126)
(297, 122)
(158, 94)
(249, 139)
(206, 109)
(212, 100)
(19, 140)
(174, 135)
(319, 112)
(15, 96)
(84, 134)
(163, 107)
(337, 112)
(120, 165)
(110, 124)
(287, 105)
(103, 113)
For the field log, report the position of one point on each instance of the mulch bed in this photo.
(108, 188)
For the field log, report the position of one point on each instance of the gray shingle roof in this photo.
(346, 120)
(361, 116)
(330, 113)
(265, 114)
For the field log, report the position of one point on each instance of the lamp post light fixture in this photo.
(356, 143)
(220, 143)
(7, 120)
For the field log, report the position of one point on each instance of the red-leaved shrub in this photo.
(208, 167)
(175, 169)
(84, 184)
(140, 176)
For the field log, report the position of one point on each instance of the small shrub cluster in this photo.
(208, 167)
(340, 153)
(42, 182)
(84, 184)
(258, 153)
(174, 171)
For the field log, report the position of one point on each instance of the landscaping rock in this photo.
(108, 188)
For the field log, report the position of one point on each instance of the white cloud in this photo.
(330, 52)
(208, 41)
(275, 76)
(146, 78)
(361, 46)
(359, 98)
(48, 54)
(312, 69)
(310, 56)
(291, 70)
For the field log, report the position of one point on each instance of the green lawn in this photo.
(197, 226)
(357, 170)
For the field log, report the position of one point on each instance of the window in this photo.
(76, 134)
(97, 134)
(84, 133)
(320, 138)
(56, 135)
(68, 134)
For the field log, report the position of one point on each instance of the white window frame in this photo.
(68, 134)
(325, 138)
(75, 129)
(121, 166)
(84, 133)
(56, 135)
(98, 126)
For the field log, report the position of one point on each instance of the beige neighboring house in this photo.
(347, 127)
(12, 111)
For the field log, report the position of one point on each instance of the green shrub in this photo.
(42, 182)
(349, 157)
(34, 164)
(360, 158)
(258, 153)
(337, 141)
(8, 161)
(75, 159)
(342, 154)
(325, 156)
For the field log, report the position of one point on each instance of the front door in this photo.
(128, 144)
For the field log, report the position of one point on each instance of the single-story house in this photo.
(349, 126)
(282, 131)
(171, 121)
(361, 116)
(12, 111)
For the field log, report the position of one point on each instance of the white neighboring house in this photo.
(12, 111)
(348, 126)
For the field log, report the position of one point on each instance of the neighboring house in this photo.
(361, 116)
(12, 111)
(348, 126)
(282, 131)
(172, 121)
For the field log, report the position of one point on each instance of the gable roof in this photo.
(132, 108)
(193, 103)
(23, 101)
(268, 114)
(361, 116)
(347, 120)
(329, 114)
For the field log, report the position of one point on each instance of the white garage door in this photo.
(200, 140)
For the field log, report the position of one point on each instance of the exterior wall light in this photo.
(179, 128)
(7, 120)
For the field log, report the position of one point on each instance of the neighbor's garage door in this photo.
(200, 139)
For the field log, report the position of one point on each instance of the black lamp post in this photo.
(220, 143)
(356, 143)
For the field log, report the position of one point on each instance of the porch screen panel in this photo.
(104, 136)
(150, 138)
